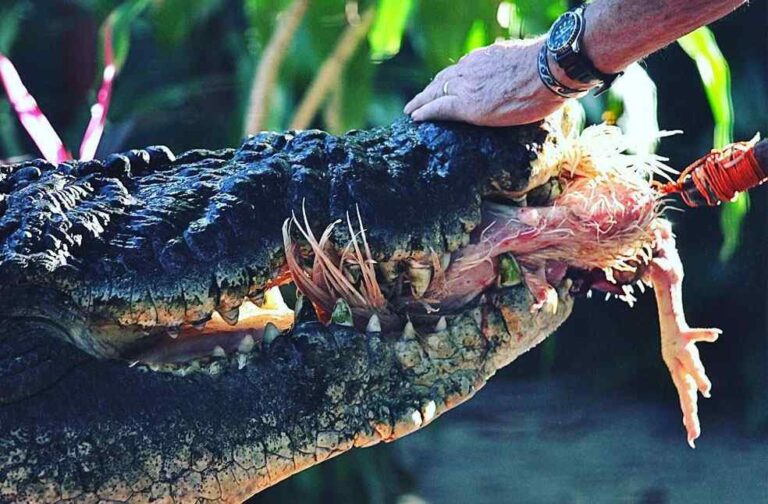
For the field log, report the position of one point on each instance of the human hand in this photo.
(497, 85)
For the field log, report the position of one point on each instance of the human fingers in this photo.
(444, 108)
(432, 92)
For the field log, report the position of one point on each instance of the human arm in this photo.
(498, 85)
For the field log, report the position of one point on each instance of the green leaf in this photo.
(121, 19)
(731, 224)
(443, 26)
(534, 16)
(174, 19)
(10, 19)
(477, 36)
(386, 35)
(262, 17)
(715, 74)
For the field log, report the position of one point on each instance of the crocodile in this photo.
(146, 354)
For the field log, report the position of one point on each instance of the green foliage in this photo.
(10, 18)
(121, 21)
(387, 32)
(715, 73)
(174, 19)
(702, 47)
(442, 27)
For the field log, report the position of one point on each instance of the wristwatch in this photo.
(565, 43)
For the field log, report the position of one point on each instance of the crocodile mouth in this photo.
(588, 219)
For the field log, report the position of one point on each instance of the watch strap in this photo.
(551, 82)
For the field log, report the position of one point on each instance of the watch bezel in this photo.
(573, 36)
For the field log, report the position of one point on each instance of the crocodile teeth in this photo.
(408, 331)
(389, 270)
(374, 324)
(271, 332)
(246, 344)
(218, 352)
(257, 298)
(445, 261)
(442, 325)
(304, 311)
(242, 360)
(230, 316)
(420, 278)
(273, 300)
(353, 273)
(342, 313)
(173, 332)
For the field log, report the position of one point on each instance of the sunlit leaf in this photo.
(386, 35)
(534, 17)
(443, 26)
(715, 74)
(477, 36)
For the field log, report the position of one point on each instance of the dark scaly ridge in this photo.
(141, 239)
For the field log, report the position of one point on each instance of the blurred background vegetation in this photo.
(202, 73)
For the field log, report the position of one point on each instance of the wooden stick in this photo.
(331, 70)
(265, 78)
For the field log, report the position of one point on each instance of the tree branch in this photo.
(331, 70)
(269, 66)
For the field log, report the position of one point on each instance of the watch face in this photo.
(563, 32)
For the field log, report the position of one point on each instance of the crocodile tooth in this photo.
(273, 300)
(374, 324)
(408, 331)
(246, 344)
(173, 331)
(445, 261)
(353, 273)
(478, 316)
(389, 270)
(304, 311)
(420, 278)
(342, 313)
(589, 294)
(230, 316)
(200, 324)
(641, 286)
(242, 360)
(271, 332)
(218, 352)
(441, 325)
(257, 298)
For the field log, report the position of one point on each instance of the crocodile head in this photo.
(145, 352)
